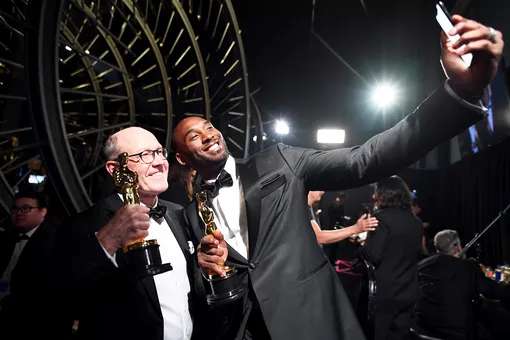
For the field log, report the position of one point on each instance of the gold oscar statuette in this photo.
(143, 255)
(224, 289)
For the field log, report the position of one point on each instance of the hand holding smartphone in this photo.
(444, 19)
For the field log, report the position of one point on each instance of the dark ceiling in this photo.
(304, 82)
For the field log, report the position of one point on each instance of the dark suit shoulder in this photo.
(397, 214)
(446, 261)
(171, 206)
(274, 149)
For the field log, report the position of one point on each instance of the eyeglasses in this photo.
(23, 209)
(148, 156)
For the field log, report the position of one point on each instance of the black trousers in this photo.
(392, 325)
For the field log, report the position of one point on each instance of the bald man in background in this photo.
(91, 274)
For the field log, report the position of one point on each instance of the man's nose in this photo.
(208, 135)
(158, 158)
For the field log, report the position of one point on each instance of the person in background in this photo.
(449, 289)
(350, 279)
(336, 211)
(394, 249)
(180, 184)
(365, 223)
(428, 237)
(25, 254)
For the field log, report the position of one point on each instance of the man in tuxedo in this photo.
(102, 295)
(449, 288)
(262, 218)
(25, 254)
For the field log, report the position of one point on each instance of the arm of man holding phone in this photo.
(392, 150)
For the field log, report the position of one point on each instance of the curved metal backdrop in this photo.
(94, 67)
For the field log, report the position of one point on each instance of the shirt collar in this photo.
(230, 167)
(31, 232)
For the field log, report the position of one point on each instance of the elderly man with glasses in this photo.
(25, 253)
(99, 293)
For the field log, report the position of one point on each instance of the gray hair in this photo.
(110, 148)
(447, 242)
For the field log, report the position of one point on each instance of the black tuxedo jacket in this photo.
(394, 248)
(299, 293)
(29, 284)
(109, 302)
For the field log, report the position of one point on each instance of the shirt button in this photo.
(252, 265)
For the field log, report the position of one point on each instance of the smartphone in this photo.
(444, 19)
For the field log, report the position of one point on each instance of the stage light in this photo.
(264, 137)
(68, 48)
(384, 95)
(281, 127)
(330, 136)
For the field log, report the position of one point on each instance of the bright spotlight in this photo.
(330, 136)
(281, 127)
(68, 48)
(384, 95)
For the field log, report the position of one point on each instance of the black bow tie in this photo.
(224, 180)
(21, 237)
(158, 212)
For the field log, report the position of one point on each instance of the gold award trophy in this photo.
(223, 289)
(142, 255)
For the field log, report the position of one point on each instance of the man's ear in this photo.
(111, 166)
(180, 159)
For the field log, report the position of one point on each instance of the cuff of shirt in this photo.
(112, 258)
(476, 104)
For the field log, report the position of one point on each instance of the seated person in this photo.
(448, 287)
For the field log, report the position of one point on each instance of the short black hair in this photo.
(393, 192)
(41, 198)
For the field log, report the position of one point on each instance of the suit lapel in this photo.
(177, 229)
(249, 180)
(198, 227)
(7, 244)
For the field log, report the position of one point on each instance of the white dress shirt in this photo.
(230, 211)
(173, 286)
(16, 253)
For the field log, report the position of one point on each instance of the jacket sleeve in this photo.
(373, 250)
(439, 118)
(80, 264)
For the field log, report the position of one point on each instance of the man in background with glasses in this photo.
(25, 254)
(102, 298)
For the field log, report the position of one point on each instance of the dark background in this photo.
(303, 82)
